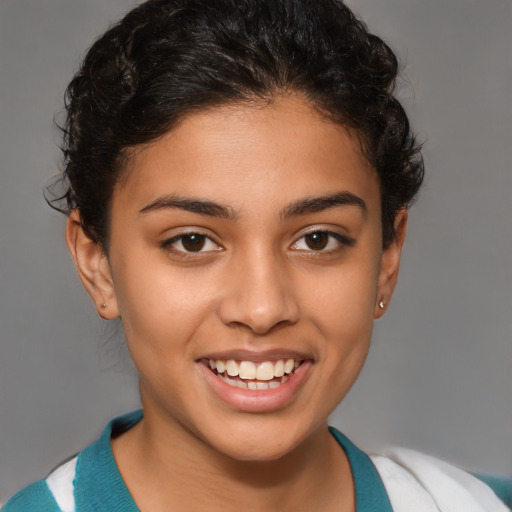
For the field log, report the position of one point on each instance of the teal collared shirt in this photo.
(99, 487)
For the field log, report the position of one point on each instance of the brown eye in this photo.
(317, 240)
(193, 242)
(323, 242)
(190, 244)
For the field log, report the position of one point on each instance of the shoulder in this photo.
(87, 481)
(53, 494)
(416, 481)
(37, 497)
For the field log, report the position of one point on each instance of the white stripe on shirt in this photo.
(61, 485)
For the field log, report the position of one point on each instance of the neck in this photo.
(171, 468)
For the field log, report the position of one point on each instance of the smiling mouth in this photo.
(254, 376)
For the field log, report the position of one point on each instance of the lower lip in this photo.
(250, 400)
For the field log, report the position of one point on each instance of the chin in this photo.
(255, 442)
(266, 451)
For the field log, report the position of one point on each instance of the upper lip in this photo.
(256, 356)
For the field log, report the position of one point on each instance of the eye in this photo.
(322, 241)
(191, 243)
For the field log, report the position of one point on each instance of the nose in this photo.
(259, 295)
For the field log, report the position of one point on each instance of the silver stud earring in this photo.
(103, 306)
(381, 303)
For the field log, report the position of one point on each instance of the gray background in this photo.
(439, 375)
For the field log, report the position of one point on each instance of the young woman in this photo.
(238, 174)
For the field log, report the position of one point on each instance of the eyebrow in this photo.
(318, 204)
(190, 204)
(213, 209)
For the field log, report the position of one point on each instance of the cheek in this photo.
(159, 306)
(342, 307)
(347, 325)
(345, 297)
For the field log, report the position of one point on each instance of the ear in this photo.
(390, 265)
(92, 266)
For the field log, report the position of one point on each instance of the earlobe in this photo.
(390, 265)
(92, 266)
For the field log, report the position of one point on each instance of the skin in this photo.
(256, 288)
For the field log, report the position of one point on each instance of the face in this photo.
(246, 263)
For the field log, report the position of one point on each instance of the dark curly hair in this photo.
(168, 58)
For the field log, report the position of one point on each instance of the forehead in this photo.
(243, 155)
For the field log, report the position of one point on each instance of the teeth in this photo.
(254, 376)
(265, 371)
(254, 384)
(279, 368)
(232, 368)
(246, 370)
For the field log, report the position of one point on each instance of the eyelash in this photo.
(340, 240)
(173, 242)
